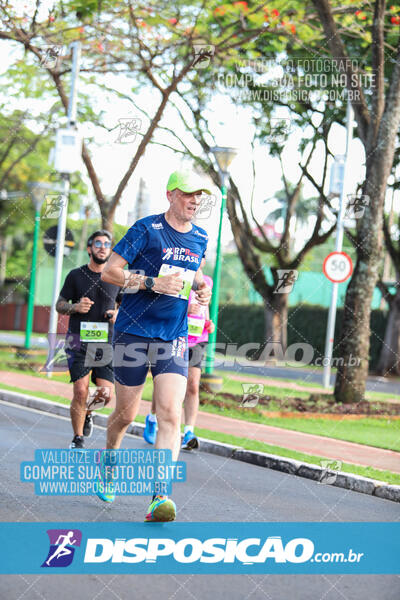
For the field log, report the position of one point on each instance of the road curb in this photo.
(290, 466)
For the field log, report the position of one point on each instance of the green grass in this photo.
(22, 333)
(385, 476)
(382, 395)
(232, 386)
(382, 432)
(52, 397)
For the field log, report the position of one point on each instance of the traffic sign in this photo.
(338, 267)
(50, 241)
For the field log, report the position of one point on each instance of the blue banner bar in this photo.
(218, 548)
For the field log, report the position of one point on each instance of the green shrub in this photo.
(242, 324)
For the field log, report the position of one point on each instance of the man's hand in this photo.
(194, 309)
(113, 314)
(170, 284)
(84, 305)
(203, 294)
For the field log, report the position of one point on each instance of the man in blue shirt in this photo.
(163, 253)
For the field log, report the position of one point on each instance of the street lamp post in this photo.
(65, 164)
(224, 157)
(37, 191)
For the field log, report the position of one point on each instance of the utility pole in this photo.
(62, 222)
(224, 156)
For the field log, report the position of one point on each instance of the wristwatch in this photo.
(149, 283)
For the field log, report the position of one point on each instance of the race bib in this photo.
(94, 332)
(186, 274)
(195, 325)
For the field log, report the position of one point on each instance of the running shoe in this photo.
(106, 488)
(88, 426)
(150, 431)
(78, 443)
(161, 509)
(190, 441)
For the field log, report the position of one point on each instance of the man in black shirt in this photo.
(92, 316)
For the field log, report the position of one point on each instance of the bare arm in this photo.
(114, 273)
(64, 307)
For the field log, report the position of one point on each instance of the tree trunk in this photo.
(355, 331)
(389, 360)
(275, 314)
(107, 218)
(5, 245)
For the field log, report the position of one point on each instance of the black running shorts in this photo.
(196, 354)
(80, 363)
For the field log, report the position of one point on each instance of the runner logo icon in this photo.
(62, 547)
(168, 253)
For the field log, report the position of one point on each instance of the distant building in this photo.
(142, 203)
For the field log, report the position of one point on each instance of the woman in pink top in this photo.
(199, 326)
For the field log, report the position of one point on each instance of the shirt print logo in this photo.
(181, 255)
(179, 347)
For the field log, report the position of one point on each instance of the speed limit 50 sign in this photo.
(337, 267)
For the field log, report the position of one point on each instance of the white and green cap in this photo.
(186, 181)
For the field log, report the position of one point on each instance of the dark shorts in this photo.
(83, 361)
(196, 354)
(134, 355)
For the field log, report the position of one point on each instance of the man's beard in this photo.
(98, 260)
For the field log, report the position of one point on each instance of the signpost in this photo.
(338, 267)
(333, 264)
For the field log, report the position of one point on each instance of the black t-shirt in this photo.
(85, 282)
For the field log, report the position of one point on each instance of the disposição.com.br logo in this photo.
(62, 547)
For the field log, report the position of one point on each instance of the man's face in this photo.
(98, 250)
(183, 204)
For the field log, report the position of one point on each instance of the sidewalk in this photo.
(368, 456)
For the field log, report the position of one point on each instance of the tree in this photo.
(154, 46)
(372, 36)
(378, 117)
(389, 360)
(17, 167)
(255, 248)
(23, 159)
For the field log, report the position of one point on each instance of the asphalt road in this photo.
(217, 489)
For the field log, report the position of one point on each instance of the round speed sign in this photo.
(337, 267)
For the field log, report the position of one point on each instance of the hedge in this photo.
(241, 324)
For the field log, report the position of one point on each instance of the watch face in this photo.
(149, 283)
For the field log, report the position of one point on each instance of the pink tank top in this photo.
(196, 323)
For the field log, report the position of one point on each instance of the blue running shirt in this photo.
(148, 245)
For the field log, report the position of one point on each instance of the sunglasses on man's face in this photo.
(99, 244)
